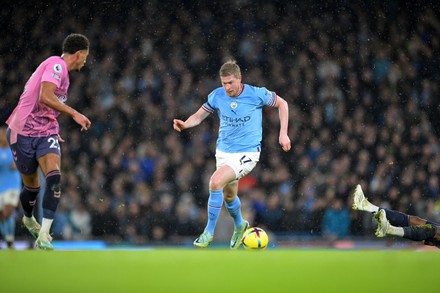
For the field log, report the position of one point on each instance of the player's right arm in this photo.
(193, 120)
(48, 98)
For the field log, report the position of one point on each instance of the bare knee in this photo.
(416, 221)
(228, 197)
(437, 234)
(215, 183)
(32, 181)
(7, 211)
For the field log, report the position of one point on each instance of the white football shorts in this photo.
(241, 163)
(10, 196)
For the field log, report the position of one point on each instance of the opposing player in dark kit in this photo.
(33, 133)
(394, 223)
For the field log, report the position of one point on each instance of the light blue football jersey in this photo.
(240, 117)
(9, 179)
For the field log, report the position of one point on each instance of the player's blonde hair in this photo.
(230, 67)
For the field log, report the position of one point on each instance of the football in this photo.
(255, 239)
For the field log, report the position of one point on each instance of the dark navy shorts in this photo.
(26, 150)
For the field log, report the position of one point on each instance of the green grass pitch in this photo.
(219, 270)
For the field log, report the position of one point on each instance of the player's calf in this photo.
(28, 198)
(52, 194)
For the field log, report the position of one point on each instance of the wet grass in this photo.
(219, 270)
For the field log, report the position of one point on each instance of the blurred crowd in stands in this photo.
(362, 81)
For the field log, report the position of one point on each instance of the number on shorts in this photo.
(244, 160)
(53, 143)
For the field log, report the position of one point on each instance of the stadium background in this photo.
(362, 83)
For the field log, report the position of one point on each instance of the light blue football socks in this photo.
(215, 202)
(234, 209)
(7, 228)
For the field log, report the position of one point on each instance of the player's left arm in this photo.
(283, 112)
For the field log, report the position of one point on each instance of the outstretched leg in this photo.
(221, 177)
(415, 233)
(361, 203)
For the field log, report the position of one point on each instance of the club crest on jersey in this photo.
(62, 98)
(57, 68)
(234, 105)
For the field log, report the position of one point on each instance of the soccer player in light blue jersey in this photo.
(10, 186)
(239, 109)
